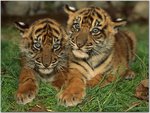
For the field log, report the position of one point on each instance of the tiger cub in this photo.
(44, 57)
(99, 49)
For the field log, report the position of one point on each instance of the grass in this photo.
(118, 96)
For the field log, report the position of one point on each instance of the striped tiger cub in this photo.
(98, 49)
(44, 56)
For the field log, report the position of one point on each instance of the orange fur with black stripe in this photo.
(98, 49)
(44, 56)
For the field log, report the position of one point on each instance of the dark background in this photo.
(132, 11)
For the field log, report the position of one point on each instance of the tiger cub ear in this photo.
(21, 26)
(119, 22)
(69, 9)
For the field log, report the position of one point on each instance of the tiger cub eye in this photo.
(37, 45)
(96, 31)
(76, 26)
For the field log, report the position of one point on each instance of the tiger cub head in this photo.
(43, 45)
(91, 30)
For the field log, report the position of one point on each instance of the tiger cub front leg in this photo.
(74, 91)
(28, 86)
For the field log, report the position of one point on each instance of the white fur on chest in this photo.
(49, 79)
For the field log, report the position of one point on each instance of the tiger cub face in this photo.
(43, 45)
(91, 31)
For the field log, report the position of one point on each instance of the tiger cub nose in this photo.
(46, 65)
(80, 44)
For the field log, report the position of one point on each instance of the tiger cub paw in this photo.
(26, 92)
(129, 75)
(71, 97)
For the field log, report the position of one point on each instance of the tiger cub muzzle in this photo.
(82, 44)
(46, 61)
